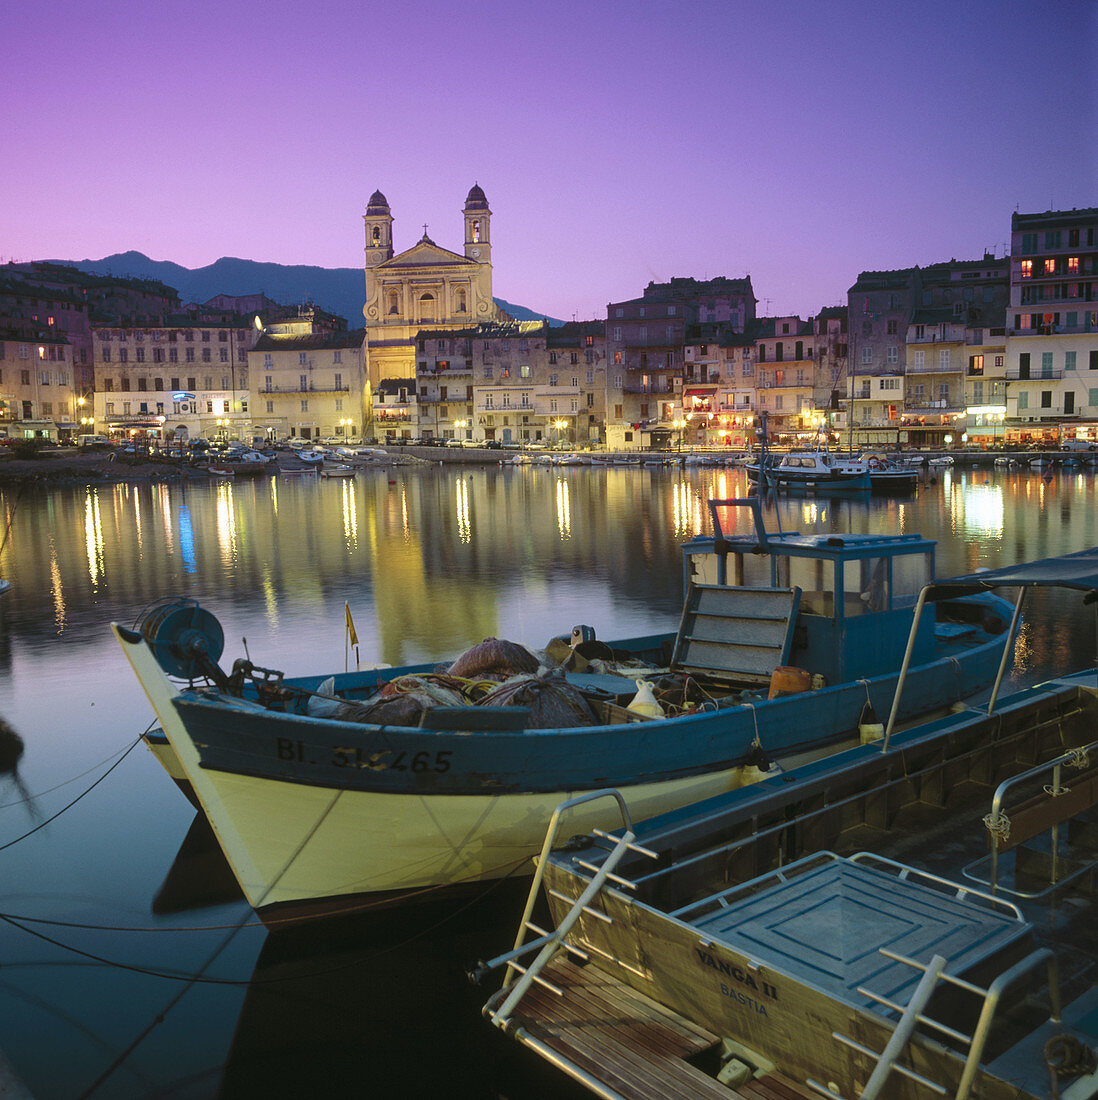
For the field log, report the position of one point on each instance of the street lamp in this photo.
(680, 427)
(460, 425)
(560, 425)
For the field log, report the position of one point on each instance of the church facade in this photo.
(425, 288)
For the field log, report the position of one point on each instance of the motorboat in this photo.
(910, 917)
(337, 471)
(380, 784)
(815, 471)
(889, 476)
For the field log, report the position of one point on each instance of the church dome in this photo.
(378, 204)
(476, 200)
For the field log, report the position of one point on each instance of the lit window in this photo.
(1050, 266)
(1073, 265)
(1027, 269)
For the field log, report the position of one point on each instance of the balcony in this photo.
(312, 388)
(1017, 374)
(661, 387)
(937, 368)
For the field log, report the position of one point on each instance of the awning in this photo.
(1078, 570)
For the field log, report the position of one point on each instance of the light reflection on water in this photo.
(429, 561)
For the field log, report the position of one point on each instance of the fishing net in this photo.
(495, 658)
(553, 702)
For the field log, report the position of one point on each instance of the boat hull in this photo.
(312, 812)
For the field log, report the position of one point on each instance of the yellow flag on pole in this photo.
(351, 632)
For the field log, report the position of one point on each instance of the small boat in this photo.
(816, 471)
(911, 917)
(940, 460)
(311, 456)
(4, 586)
(786, 640)
(337, 471)
(887, 476)
(221, 470)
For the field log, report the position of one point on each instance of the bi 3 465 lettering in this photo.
(385, 760)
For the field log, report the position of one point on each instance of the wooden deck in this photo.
(628, 1043)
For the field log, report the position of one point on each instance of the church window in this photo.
(393, 302)
(476, 230)
(461, 301)
(427, 307)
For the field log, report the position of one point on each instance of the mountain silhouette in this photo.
(339, 290)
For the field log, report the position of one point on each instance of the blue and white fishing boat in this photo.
(815, 471)
(322, 790)
(903, 919)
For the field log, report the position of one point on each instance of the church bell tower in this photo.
(478, 239)
(379, 230)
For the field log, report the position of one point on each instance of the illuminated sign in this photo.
(183, 396)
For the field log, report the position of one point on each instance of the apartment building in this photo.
(513, 382)
(179, 377)
(1052, 327)
(38, 395)
(645, 342)
(308, 377)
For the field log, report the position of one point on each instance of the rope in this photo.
(1078, 759)
(757, 743)
(998, 825)
(54, 817)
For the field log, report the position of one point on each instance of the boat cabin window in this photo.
(816, 580)
(911, 573)
(866, 585)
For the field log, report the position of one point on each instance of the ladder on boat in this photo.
(912, 1015)
(548, 943)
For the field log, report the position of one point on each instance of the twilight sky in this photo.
(618, 142)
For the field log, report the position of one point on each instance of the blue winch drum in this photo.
(184, 638)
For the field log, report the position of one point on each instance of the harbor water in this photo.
(129, 964)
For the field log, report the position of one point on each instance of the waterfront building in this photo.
(1052, 327)
(72, 301)
(737, 395)
(968, 297)
(785, 373)
(309, 378)
(394, 409)
(703, 371)
(173, 377)
(424, 288)
(934, 395)
(832, 364)
(37, 394)
(645, 341)
(513, 382)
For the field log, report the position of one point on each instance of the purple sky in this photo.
(618, 142)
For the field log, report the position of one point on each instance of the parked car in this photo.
(492, 445)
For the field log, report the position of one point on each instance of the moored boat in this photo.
(337, 471)
(889, 476)
(902, 919)
(815, 471)
(320, 794)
